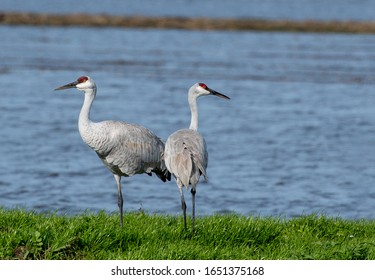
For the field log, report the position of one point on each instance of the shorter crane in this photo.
(185, 152)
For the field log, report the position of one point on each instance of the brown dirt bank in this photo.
(103, 20)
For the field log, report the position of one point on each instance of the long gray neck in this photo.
(194, 111)
(84, 121)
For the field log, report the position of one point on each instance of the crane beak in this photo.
(218, 94)
(70, 85)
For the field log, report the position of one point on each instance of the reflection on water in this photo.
(297, 136)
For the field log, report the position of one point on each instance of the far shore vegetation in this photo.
(242, 24)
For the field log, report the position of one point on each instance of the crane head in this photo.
(200, 89)
(82, 83)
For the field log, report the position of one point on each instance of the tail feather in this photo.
(164, 175)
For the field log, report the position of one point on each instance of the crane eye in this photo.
(82, 79)
(202, 85)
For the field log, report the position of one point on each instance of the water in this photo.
(268, 9)
(298, 135)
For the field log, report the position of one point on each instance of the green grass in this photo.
(27, 235)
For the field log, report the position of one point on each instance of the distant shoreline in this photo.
(104, 20)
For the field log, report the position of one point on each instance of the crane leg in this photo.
(120, 200)
(193, 191)
(183, 204)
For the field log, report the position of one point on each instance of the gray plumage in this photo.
(126, 149)
(186, 156)
(185, 152)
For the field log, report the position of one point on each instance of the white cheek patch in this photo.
(82, 85)
(202, 90)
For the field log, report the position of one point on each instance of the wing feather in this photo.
(186, 156)
(129, 149)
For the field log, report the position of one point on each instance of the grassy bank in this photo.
(26, 235)
(103, 20)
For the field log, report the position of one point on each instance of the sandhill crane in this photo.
(126, 149)
(185, 152)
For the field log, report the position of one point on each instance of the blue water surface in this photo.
(297, 137)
